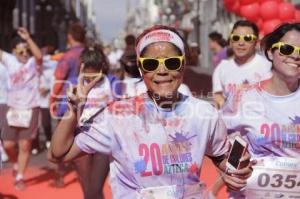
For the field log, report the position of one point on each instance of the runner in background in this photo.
(3, 102)
(93, 169)
(66, 74)
(46, 83)
(67, 69)
(217, 44)
(24, 74)
(246, 66)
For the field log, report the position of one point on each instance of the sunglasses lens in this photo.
(150, 64)
(235, 37)
(21, 51)
(173, 63)
(286, 49)
(247, 38)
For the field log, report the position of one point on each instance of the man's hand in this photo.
(219, 99)
(23, 33)
(77, 95)
(44, 91)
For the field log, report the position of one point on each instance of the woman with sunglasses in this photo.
(268, 115)
(157, 140)
(244, 68)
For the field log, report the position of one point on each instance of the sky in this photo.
(110, 17)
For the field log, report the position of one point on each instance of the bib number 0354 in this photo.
(276, 178)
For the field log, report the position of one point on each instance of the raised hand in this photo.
(78, 94)
(23, 33)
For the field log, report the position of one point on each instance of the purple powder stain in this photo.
(296, 120)
(140, 166)
(180, 137)
(245, 81)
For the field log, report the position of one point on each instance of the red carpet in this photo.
(39, 184)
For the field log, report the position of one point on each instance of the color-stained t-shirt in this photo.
(269, 123)
(229, 77)
(23, 82)
(153, 147)
(3, 85)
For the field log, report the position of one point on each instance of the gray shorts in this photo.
(18, 133)
(2, 115)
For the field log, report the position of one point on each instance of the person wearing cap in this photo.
(157, 140)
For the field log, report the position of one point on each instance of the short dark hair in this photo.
(16, 39)
(93, 57)
(159, 27)
(77, 32)
(130, 40)
(217, 37)
(246, 23)
(276, 35)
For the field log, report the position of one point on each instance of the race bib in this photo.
(196, 191)
(19, 117)
(274, 177)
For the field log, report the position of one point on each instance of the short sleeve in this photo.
(7, 60)
(62, 69)
(217, 84)
(217, 144)
(95, 135)
(184, 89)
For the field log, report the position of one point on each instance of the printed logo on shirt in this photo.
(169, 158)
(283, 135)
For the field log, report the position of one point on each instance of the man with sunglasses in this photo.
(246, 66)
(20, 125)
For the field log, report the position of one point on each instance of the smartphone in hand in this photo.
(237, 151)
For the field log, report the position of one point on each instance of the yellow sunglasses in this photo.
(152, 64)
(22, 51)
(286, 49)
(246, 38)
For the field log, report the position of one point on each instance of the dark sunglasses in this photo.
(246, 38)
(286, 49)
(152, 64)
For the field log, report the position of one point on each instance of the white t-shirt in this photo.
(151, 147)
(3, 84)
(47, 79)
(98, 97)
(228, 76)
(23, 82)
(114, 57)
(270, 124)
